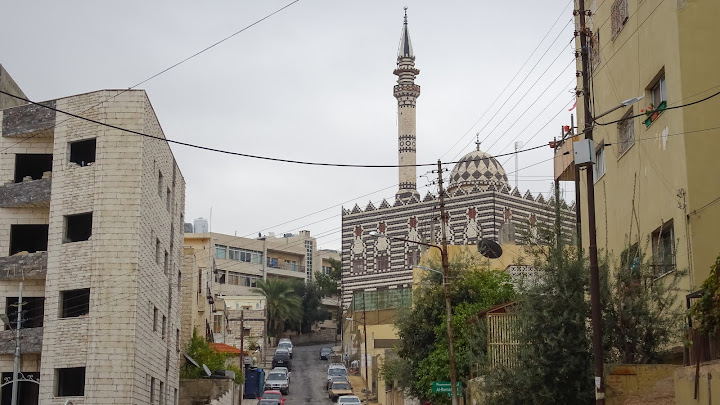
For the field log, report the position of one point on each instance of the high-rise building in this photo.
(91, 225)
(200, 225)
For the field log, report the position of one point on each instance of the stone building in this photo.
(479, 201)
(91, 220)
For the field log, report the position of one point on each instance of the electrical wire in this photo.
(239, 153)
(511, 80)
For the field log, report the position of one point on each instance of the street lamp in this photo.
(448, 304)
(622, 104)
(367, 379)
(432, 270)
(16, 359)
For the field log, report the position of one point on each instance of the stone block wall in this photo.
(209, 391)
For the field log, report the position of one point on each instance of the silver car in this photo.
(287, 346)
(277, 381)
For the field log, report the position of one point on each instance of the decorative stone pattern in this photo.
(473, 215)
(31, 266)
(35, 193)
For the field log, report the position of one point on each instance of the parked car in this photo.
(338, 378)
(286, 345)
(325, 352)
(335, 370)
(269, 402)
(282, 360)
(338, 389)
(348, 400)
(277, 381)
(282, 370)
(276, 395)
(284, 340)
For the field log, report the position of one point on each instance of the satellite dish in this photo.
(191, 360)
(207, 370)
(489, 248)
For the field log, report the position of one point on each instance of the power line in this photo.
(666, 109)
(239, 153)
(513, 78)
(169, 68)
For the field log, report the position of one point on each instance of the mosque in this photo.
(479, 201)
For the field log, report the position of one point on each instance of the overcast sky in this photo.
(313, 82)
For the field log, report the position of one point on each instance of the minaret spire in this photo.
(406, 92)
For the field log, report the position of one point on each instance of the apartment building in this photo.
(654, 182)
(91, 224)
(238, 262)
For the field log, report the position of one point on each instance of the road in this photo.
(307, 379)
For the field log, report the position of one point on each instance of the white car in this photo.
(284, 340)
(348, 400)
(287, 346)
(282, 370)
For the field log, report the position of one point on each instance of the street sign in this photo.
(441, 387)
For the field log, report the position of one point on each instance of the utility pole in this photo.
(367, 379)
(592, 237)
(446, 276)
(16, 360)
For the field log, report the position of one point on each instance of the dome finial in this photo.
(405, 8)
(477, 141)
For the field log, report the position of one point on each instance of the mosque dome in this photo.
(477, 168)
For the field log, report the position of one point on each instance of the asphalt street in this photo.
(307, 378)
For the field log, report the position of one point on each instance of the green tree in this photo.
(706, 310)
(328, 283)
(283, 304)
(553, 365)
(422, 328)
(641, 315)
(199, 349)
(311, 304)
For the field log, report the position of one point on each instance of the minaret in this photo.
(406, 92)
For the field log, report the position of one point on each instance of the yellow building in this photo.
(655, 185)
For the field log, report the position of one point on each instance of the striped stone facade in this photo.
(371, 262)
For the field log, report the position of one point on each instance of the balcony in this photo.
(29, 119)
(32, 193)
(31, 266)
(30, 338)
(287, 267)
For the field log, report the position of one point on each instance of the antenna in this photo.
(518, 145)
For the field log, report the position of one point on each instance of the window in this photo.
(594, 45)
(358, 265)
(33, 310)
(74, 303)
(221, 251)
(158, 251)
(28, 238)
(32, 165)
(78, 227)
(164, 326)
(234, 253)
(293, 266)
(177, 340)
(70, 381)
(658, 94)
(220, 276)
(166, 262)
(233, 278)
(152, 390)
(381, 263)
(162, 393)
(155, 319)
(168, 200)
(663, 249)
(599, 167)
(160, 183)
(175, 396)
(218, 323)
(619, 16)
(413, 257)
(626, 132)
(83, 152)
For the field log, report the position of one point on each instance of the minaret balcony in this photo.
(406, 90)
(402, 69)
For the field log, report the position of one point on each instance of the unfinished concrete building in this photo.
(91, 223)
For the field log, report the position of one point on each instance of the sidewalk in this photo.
(358, 385)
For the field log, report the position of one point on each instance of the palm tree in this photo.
(283, 304)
